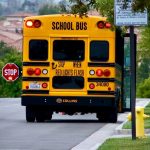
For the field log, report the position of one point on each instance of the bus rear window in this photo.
(68, 82)
(69, 50)
(99, 51)
(38, 50)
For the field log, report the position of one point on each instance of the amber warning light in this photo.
(33, 23)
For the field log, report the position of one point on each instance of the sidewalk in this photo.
(109, 130)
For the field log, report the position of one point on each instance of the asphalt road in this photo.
(62, 133)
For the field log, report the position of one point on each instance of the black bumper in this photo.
(62, 101)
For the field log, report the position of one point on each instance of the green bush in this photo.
(9, 55)
(143, 89)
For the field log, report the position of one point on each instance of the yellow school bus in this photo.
(71, 64)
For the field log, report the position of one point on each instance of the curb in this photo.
(119, 130)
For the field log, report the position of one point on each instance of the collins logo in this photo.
(59, 100)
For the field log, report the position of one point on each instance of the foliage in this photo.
(143, 70)
(144, 43)
(106, 8)
(81, 7)
(49, 9)
(144, 89)
(139, 5)
(63, 6)
(9, 55)
(143, 57)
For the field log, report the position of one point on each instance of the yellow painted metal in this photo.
(90, 32)
(28, 83)
(140, 116)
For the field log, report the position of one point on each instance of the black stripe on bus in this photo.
(35, 79)
(36, 64)
(35, 91)
(101, 80)
(101, 92)
(101, 64)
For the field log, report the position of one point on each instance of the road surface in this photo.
(62, 133)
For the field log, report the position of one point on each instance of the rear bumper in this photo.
(64, 101)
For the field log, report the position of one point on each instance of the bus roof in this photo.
(67, 25)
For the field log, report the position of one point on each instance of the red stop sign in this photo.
(10, 72)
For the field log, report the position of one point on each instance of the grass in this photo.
(127, 125)
(126, 144)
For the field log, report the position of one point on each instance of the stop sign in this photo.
(10, 72)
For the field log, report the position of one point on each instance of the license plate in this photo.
(34, 86)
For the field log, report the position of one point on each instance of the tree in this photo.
(9, 54)
(144, 89)
(49, 9)
(139, 5)
(106, 7)
(1, 10)
(143, 69)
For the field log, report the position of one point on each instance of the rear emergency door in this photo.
(68, 66)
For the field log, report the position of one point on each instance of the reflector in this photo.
(44, 85)
(92, 86)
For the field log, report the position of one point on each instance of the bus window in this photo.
(99, 51)
(68, 50)
(68, 82)
(38, 50)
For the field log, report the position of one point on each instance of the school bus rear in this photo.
(69, 65)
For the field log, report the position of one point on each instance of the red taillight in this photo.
(100, 24)
(106, 72)
(44, 85)
(37, 23)
(37, 71)
(107, 25)
(99, 72)
(91, 86)
(30, 71)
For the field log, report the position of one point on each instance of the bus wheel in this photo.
(43, 114)
(40, 116)
(48, 115)
(113, 115)
(30, 114)
(102, 117)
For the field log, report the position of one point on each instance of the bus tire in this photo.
(43, 114)
(30, 114)
(48, 115)
(102, 117)
(40, 116)
(113, 115)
